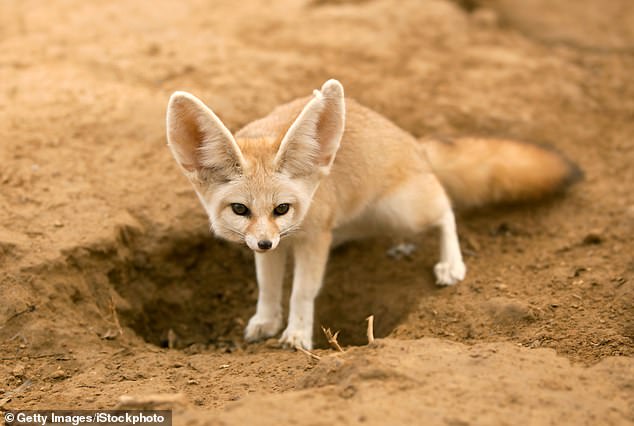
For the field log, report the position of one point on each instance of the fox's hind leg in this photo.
(417, 204)
(451, 268)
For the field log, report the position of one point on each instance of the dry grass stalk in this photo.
(111, 334)
(332, 338)
(115, 317)
(370, 321)
(171, 339)
(310, 354)
(152, 401)
(10, 394)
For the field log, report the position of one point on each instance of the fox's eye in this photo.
(281, 210)
(240, 209)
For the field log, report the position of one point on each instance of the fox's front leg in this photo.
(311, 255)
(267, 320)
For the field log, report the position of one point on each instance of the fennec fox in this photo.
(320, 170)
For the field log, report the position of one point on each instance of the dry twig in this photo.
(310, 354)
(152, 401)
(332, 338)
(14, 392)
(111, 334)
(29, 308)
(115, 317)
(58, 357)
(370, 321)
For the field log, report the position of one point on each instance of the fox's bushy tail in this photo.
(481, 171)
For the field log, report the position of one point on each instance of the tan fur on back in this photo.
(374, 158)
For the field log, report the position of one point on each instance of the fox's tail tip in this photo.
(571, 172)
(479, 171)
(575, 172)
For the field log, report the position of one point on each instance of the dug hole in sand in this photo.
(114, 293)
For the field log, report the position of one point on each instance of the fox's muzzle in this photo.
(263, 244)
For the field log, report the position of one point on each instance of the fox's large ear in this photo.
(312, 141)
(197, 137)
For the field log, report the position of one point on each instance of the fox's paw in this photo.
(449, 273)
(260, 328)
(293, 337)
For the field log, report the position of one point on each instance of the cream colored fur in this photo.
(345, 171)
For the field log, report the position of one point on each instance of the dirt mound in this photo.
(443, 383)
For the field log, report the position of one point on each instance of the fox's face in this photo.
(256, 191)
(259, 206)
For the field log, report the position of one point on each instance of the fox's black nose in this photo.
(265, 244)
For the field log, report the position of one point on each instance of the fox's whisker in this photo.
(231, 231)
(291, 230)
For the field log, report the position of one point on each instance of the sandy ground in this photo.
(99, 228)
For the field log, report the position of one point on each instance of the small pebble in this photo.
(58, 374)
(401, 250)
(592, 238)
(18, 370)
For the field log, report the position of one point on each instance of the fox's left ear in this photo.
(312, 141)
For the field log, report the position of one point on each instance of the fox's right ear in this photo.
(198, 139)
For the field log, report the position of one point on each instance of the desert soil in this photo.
(106, 258)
